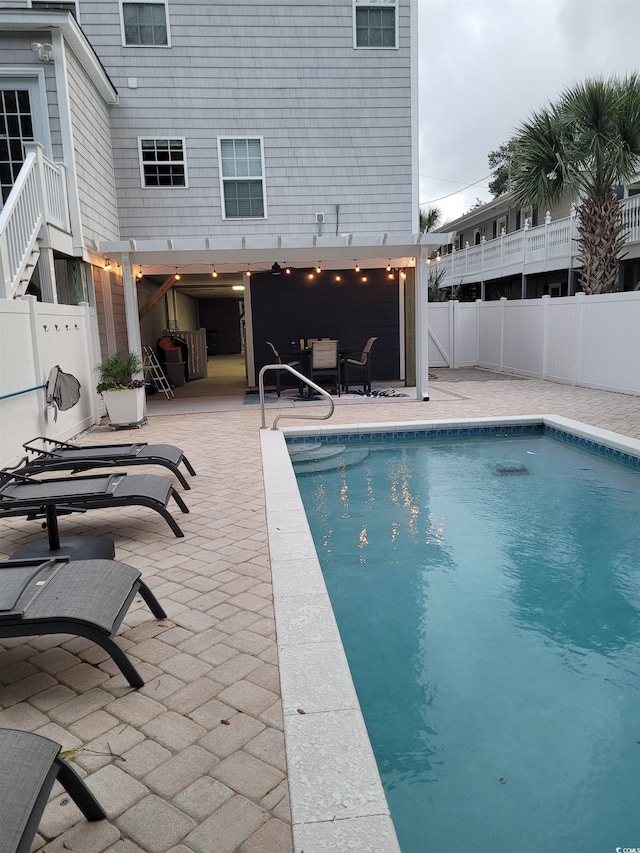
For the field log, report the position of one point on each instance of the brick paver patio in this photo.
(194, 761)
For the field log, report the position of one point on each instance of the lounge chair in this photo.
(47, 454)
(86, 598)
(29, 765)
(25, 495)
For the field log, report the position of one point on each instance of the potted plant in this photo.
(122, 394)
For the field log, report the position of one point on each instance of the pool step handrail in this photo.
(301, 377)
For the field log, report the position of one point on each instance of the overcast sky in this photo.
(486, 64)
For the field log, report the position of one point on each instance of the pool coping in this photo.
(337, 799)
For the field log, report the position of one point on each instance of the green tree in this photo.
(430, 219)
(501, 163)
(587, 142)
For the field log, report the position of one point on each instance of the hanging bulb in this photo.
(248, 272)
(287, 270)
(338, 278)
(403, 274)
(178, 276)
(214, 274)
(318, 268)
(357, 267)
(389, 266)
(107, 264)
(139, 274)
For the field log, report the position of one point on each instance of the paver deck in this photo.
(194, 761)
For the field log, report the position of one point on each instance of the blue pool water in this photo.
(488, 596)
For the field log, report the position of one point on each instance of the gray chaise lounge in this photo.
(86, 598)
(47, 454)
(28, 496)
(29, 765)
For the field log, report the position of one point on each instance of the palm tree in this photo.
(587, 142)
(430, 219)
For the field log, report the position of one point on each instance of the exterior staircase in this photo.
(37, 200)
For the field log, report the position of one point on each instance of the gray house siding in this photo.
(93, 156)
(335, 121)
(16, 55)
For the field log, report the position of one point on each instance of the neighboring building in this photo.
(501, 250)
(185, 143)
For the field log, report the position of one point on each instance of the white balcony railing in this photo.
(543, 247)
(38, 197)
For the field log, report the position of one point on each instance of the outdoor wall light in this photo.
(44, 51)
(237, 287)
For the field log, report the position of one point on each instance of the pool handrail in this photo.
(302, 378)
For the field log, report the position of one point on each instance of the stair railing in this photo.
(38, 197)
(302, 378)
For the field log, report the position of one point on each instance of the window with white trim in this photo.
(163, 162)
(51, 4)
(375, 23)
(242, 176)
(145, 24)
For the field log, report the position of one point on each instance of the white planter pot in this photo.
(125, 407)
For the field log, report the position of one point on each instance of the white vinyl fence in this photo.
(593, 341)
(35, 337)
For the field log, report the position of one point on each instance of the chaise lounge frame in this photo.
(48, 454)
(29, 766)
(85, 598)
(26, 495)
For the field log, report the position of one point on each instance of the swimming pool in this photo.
(476, 614)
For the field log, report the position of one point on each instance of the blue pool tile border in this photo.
(468, 432)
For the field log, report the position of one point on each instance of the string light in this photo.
(214, 274)
(107, 264)
(287, 269)
(338, 278)
(389, 266)
(139, 273)
(178, 276)
(248, 271)
(318, 268)
(403, 274)
(357, 266)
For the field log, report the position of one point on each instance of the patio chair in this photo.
(280, 361)
(325, 363)
(86, 598)
(362, 364)
(29, 766)
(47, 454)
(25, 495)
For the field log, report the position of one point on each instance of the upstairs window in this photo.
(163, 162)
(46, 4)
(145, 24)
(375, 23)
(242, 175)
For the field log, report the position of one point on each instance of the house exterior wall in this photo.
(16, 57)
(335, 121)
(93, 156)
